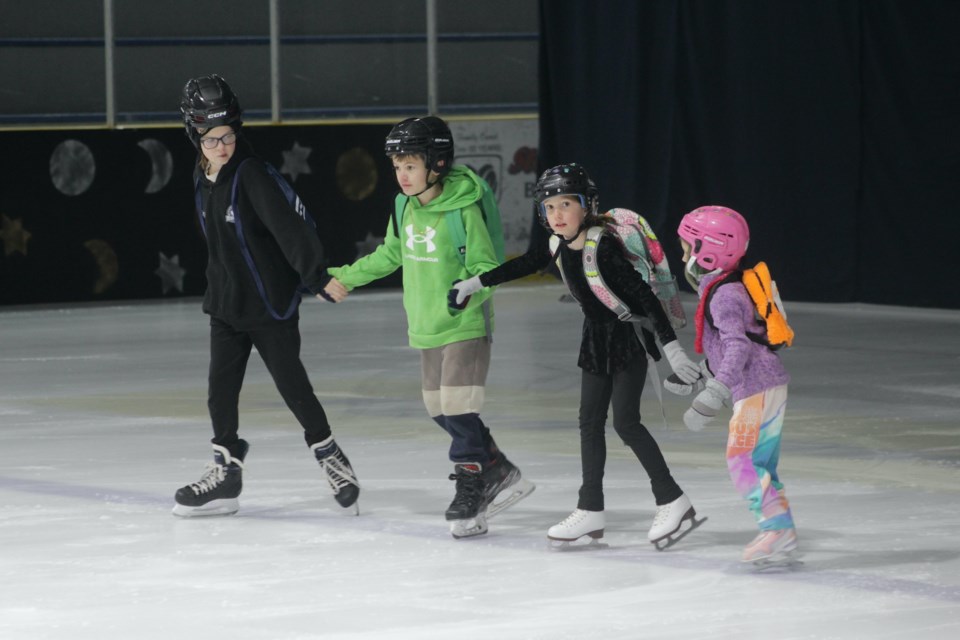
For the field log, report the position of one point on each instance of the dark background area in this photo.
(116, 210)
(834, 127)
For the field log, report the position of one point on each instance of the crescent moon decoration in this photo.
(106, 261)
(161, 161)
(356, 174)
(72, 167)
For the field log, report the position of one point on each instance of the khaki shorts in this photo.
(453, 377)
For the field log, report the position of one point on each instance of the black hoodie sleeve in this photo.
(297, 240)
(536, 258)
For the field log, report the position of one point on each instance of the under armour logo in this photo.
(426, 237)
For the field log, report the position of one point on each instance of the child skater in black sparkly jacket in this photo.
(260, 253)
(612, 357)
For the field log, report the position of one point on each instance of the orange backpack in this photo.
(768, 307)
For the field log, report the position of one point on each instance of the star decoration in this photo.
(170, 273)
(368, 245)
(14, 236)
(295, 161)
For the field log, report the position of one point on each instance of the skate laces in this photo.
(663, 513)
(576, 517)
(213, 475)
(469, 486)
(338, 471)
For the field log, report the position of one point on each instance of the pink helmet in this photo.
(718, 237)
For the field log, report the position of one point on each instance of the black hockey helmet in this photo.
(567, 179)
(429, 136)
(208, 102)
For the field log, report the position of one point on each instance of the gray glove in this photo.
(706, 405)
(682, 366)
(461, 291)
(674, 384)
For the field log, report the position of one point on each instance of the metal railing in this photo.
(110, 43)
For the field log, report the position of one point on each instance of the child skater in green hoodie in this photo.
(454, 348)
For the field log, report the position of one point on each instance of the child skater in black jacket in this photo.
(612, 357)
(260, 253)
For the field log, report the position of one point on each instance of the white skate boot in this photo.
(669, 520)
(578, 524)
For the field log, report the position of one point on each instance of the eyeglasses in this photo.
(227, 139)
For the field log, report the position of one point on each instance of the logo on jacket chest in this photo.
(229, 217)
(415, 237)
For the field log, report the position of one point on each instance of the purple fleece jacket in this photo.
(745, 367)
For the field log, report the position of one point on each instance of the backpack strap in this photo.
(458, 234)
(248, 257)
(399, 204)
(591, 269)
(198, 201)
(554, 242)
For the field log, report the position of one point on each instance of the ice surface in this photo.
(103, 417)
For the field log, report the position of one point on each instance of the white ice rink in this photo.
(103, 416)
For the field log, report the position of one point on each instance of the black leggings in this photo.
(279, 346)
(623, 389)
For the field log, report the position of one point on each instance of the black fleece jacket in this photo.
(608, 345)
(285, 250)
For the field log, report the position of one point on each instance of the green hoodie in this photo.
(430, 263)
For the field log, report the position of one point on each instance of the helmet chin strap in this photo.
(430, 185)
(694, 273)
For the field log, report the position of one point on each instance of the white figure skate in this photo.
(667, 524)
(578, 524)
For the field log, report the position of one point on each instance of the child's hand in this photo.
(334, 291)
(674, 384)
(459, 294)
(706, 405)
(683, 366)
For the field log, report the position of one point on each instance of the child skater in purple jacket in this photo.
(740, 369)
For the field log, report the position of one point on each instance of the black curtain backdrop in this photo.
(834, 127)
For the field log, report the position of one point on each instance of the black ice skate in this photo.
(340, 475)
(466, 513)
(216, 493)
(503, 477)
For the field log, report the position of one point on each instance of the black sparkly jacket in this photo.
(608, 345)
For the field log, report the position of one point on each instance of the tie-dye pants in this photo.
(753, 452)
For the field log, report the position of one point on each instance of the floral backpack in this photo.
(644, 252)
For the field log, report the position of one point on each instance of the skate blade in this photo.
(566, 546)
(351, 510)
(226, 507)
(676, 536)
(786, 560)
(518, 491)
(468, 528)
